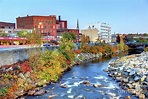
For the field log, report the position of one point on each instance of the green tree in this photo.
(68, 37)
(22, 33)
(3, 34)
(67, 45)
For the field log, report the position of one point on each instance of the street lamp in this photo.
(41, 24)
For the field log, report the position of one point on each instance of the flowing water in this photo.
(91, 71)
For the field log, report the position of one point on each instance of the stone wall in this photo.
(9, 57)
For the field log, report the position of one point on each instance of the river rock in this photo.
(119, 74)
(125, 73)
(27, 74)
(86, 82)
(141, 96)
(132, 72)
(106, 70)
(118, 78)
(96, 85)
(52, 96)
(31, 92)
(9, 69)
(39, 92)
(125, 80)
(128, 97)
(133, 92)
(146, 94)
(21, 76)
(129, 86)
(143, 78)
(47, 91)
(146, 79)
(131, 80)
(136, 78)
(63, 85)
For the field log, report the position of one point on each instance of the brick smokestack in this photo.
(59, 18)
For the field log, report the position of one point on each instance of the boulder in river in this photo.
(52, 96)
(63, 85)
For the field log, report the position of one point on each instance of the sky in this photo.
(124, 16)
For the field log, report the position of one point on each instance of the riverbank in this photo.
(22, 80)
(86, 81)
(132, 73)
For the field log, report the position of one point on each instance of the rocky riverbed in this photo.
(132, 73)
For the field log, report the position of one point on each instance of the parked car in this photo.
(46, 44)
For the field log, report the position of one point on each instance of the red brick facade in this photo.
(7, 25)
(75, 31)
(46, 24)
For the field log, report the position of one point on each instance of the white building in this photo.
(104, 31)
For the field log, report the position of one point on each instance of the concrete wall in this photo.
(9, 57)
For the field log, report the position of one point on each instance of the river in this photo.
(91, 71)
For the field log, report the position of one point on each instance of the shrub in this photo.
(107, 48)
(25, 67)
(146, 49)
(101, 49)
(78, 51)
(3, 91)
(94, 49)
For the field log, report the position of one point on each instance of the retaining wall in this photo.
(9, 57)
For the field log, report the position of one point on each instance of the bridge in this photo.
(137, 45)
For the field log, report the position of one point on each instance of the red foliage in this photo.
(25, 67)
(68, 62)
(78, 51)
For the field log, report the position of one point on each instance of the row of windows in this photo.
(37, 21)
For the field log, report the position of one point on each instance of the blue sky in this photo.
(124, 16)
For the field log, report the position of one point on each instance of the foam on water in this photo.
(80, 96)
(100, 77)
(69, 90)
(75, 84)
(111, 86)
(70, 96)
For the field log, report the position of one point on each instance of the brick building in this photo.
(7, 25)
(75, 31)
(61, 26)
(45, 24)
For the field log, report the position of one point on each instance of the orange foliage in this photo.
(101, 49)
(86, 48)
(11, 91)
(94, 49)
(114, 48)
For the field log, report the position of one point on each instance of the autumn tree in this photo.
(34, 38)
(84, 39)
(67, 45)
